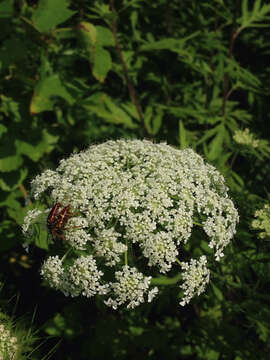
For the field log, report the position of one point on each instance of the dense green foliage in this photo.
(190, 73)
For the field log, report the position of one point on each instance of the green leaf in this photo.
(51, 13)
(238, 179)
(104, 107)
(11, 180)
(10, 162)
(36, 151)
(41, 240)
(153, 120)
(87, 34)
(3, 130)
(94, 38)
(131, 109)
(10, 108)
(147, 118)
(6, 8)
(217, 292)
(182, 136)
(216, 145)
(208, 135)
(102, 63)
(157, 122)
(104, 36)
(252, 18)
(117, 114)
(175, 45)
(44, 91)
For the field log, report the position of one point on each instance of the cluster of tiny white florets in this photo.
(8, 343)
(80, 278)
(262, 221)
(130, 288)
(106, 245)
(133, 193)
(195, 277)
(30, 218)
(53, 272)
(76, 234)
(245, 137)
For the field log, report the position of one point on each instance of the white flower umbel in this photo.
(262, 221)
(84, 278)
(160, 249)
(106, 245)
(53, 272)
(130, 288)
(8, 343)
(245, 137)
(75, 234)
(123, 200)
(196, 277)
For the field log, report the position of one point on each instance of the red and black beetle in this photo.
(57, 220)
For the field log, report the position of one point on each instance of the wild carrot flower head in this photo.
(133, 199)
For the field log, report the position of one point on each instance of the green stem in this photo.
(163, 280)
(178, 261)
(195, 223)
(66, 254)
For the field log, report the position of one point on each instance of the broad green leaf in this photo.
(10, 163)
(51, 13)
(94, 39)
(44, 91)
(104, 36)
(102, 63)
(88, 34)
